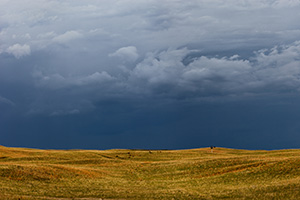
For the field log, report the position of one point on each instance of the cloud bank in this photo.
(168, 75)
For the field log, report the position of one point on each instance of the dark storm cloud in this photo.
(148, 70)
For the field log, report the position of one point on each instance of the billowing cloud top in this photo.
(19, 50)
(70, 57)
(126, 53)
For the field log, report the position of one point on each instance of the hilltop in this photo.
(149, 174)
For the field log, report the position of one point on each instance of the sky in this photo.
(152, 74)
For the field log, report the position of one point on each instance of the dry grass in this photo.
(139, 174)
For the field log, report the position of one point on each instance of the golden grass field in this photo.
(143, 174)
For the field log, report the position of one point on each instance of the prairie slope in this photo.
(144, 174)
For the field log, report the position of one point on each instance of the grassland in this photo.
(143, 174)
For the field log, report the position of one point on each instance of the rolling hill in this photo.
(149, 174)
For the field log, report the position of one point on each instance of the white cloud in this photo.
(221, 74)
(67, 36)
(96, 77)
(19, 50)
(166, 75)
(57, 81)
(50, 34)
(271, 71)
(126, 53)
(162, 67)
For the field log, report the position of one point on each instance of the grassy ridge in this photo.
(138, 174)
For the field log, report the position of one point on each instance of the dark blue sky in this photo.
(150, 74)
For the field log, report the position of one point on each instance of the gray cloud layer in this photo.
(148, 25)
